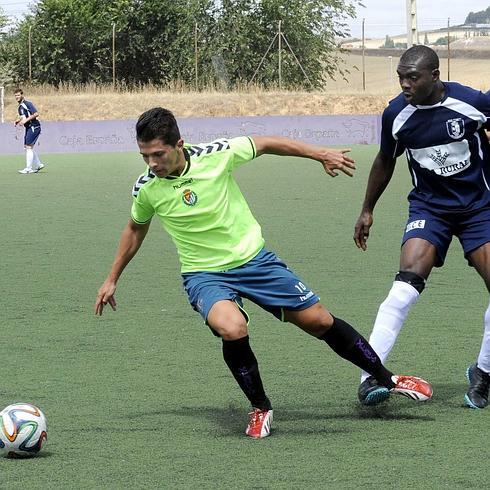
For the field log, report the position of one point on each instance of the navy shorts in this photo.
(265, 280)
(31, 136)
(471, 228)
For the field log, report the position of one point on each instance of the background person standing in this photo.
(28, 117)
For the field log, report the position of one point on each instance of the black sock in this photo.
(241, 360)
(351, 345)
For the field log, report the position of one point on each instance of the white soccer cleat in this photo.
(259, 425)
(40, 167)
(412, 387)
(26, 171)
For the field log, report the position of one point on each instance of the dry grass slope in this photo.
(338, 97)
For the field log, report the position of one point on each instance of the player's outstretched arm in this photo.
(333, 161)
(379, 177)
(131, 239)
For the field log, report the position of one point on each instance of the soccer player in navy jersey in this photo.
(28, 117)
(191, 190)
(440, 126)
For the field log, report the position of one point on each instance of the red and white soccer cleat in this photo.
(259, 424)
(412, 387)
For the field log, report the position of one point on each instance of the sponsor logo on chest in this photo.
(444, 160)
(183, 183)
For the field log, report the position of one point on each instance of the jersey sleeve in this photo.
(389, 145)
(243, 149)
(484, 103)
(141, 210)
(30, 106)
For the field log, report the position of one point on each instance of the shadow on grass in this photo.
(449, 395)
(232, 420)
(41, 455)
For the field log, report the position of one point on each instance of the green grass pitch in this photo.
(141, 398)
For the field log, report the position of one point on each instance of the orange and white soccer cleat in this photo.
(259, 424)
(412, 387)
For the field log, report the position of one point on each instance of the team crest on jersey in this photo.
(455, 127)
(189, 197)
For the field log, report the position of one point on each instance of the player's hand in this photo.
(361, 230)
(105, 295)
(337, 160)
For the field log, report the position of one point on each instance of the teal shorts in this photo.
(265, 280)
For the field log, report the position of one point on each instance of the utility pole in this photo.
(279, 53)
(113, 55)
(279, 34)
(412, 32)
(195, 55)
(363, 60)
(30, 54)
(448, 50)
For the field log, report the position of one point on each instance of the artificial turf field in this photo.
(141, 398)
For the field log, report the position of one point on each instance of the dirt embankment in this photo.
(69, 107)
(361, 92)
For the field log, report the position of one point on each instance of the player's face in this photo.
(18, 97)
(418, 83)
(162, 159)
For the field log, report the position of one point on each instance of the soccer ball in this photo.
(23, 430)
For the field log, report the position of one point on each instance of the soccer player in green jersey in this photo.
(190, 188)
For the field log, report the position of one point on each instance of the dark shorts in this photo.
(265, 280)
(31, 136)
(471, 228)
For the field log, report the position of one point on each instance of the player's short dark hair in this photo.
(18, 91)
(158, 123)
(424, 55)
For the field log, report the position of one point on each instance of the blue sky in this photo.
(382, 16)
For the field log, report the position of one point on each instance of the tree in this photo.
(442, 41)
(155, 40)
(389, 43)
(3, 20)
(6, 69)
(246, 29)
(481, 17)
(13, 50)
(73, 40)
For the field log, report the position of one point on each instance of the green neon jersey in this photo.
(203, 209)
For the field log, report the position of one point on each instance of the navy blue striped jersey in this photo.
(446, 147)
(26, 109)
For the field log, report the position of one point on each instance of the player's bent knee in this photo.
(227, 320)
(231, 331)
(416, 281)
(315, 320)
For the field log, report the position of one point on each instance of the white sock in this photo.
(484, 357)
(29, 158)
(36, 160)
(391, 314)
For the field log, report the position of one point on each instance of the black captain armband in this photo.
(416, 281)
